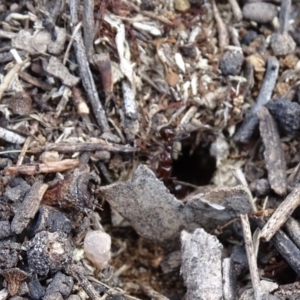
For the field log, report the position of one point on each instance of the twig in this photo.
(222, 31)
(284, 245)
(237, 12)
(284, 15)
(250, 122)
(34, 81)
(7, 34)
(282, 213)
(81, 147)
(147, 13)
(88, 27)
(11, 137)
(51, 167)
(76, 29)
(10, 75)
(251, 257)
(86, 75)
(33, 130)
(293, 229)
(229, 279)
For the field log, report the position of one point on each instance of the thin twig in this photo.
(251, 257)
(50, 167)
(237, 12)
(33, 130)
(86, 74)
(10, 76)
(222, 31)
(282, 213)
(82, 147)
(88, 27)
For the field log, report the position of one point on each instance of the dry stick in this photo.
(284, 245)
(88, 27)
(282, 213)
(273, 153)
(10, 75)
(284, 15)
(250, 122)
(222, 31)
(86, 75)
(82, 147)
(33, 130)
(229, 279)
(238, 15)
(7, 34)
(34, 81)
(293, 229)
(251, 257)
(51, 167)
(147, 13)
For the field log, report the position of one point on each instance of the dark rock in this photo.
(231, 62)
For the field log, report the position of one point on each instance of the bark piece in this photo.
(57, 69)
(29, 207)
(14, 277)
(201, 265)
(273, 153)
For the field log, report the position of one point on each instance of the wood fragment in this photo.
(282, 213)
(223, 35)
(50, 167)
(29, 207)
(151, 293)
(34, 128)
(237, 12)
(81, 147)
(201, 265)
(273, 153)
(10, 76)
(88, 27)
(86, 74)
(293, 229)
(249, 125)
(251, 257)
(284, 245)
(35, 81)
(11, 137)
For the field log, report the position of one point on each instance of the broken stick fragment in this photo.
(273, 153)
(282, 213)
(201, 266)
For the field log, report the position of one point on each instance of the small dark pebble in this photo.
(60, 283)
(48, 252)
(36, 291)
(249, 37)
(239, 259)
(260, 187)
(231, 62)
(188, 50)
(52, 220)
(9, 254)
(148, 5)
(287, 115)
(260, 12)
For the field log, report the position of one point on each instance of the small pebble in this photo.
(282, 43)
(182, 5)
(260, 12)
(231, 62)
(287, 115)
(97, 245)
